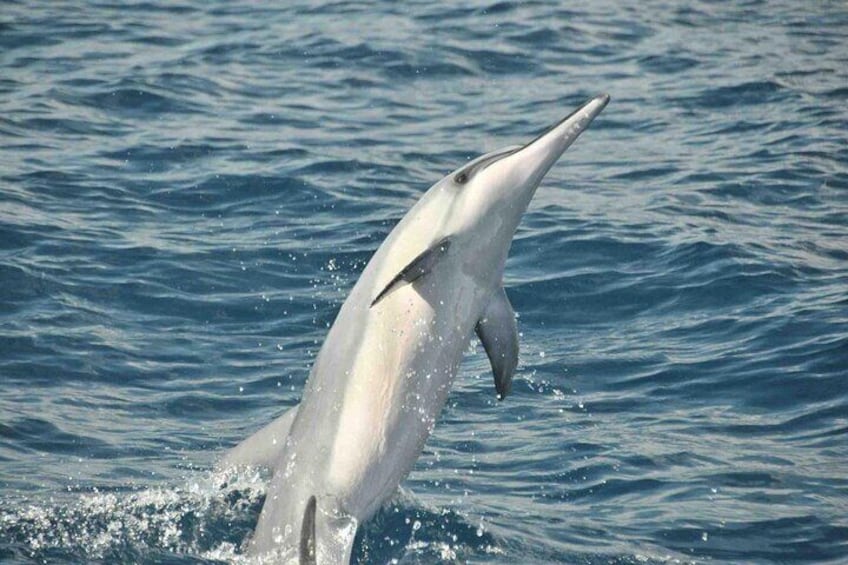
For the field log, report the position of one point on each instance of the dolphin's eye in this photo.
(465, 175)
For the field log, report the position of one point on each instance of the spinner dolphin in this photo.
(384, 371)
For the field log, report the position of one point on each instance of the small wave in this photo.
(136, 100)
(751, 93)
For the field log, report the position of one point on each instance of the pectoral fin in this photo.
(498, 332)
(419, 267)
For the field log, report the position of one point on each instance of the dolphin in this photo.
(383, 373)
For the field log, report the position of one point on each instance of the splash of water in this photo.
(209, 516)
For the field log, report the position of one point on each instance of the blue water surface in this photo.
(189, 189)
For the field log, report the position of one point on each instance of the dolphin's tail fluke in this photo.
(307, 534)
(326, 533)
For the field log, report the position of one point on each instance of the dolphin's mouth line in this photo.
(465, 175)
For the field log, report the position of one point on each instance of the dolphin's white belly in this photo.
(398, 383)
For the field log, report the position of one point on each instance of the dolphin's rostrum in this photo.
(383, 373)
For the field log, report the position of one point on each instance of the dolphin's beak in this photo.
(541, 153)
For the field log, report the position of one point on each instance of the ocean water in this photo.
(189, 189)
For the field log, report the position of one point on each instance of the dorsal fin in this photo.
(307, 534)
(264, 447)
